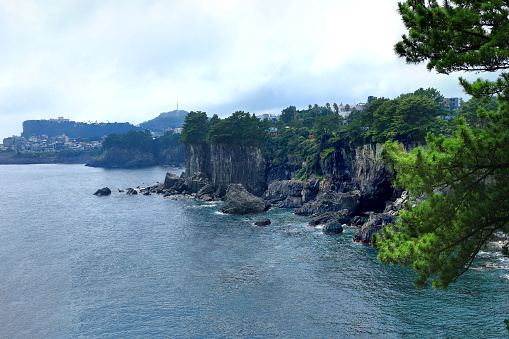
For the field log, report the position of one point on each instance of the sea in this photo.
(76, 265)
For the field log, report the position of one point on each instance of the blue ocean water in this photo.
(76, 265)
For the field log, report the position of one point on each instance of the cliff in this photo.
(224, 165)
(356, 181)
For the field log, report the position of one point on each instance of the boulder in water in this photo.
(103, 191)
(239, 201)
(262, 222)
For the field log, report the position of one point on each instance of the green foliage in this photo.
(465, 181)
(463, 178)
(469, 111)
(240, 129)
(407, 119)
(195, 128)
(166, 141)
(460, 35)
(141, 141)
(288, 114)
(173, 119)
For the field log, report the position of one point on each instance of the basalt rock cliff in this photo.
(353, 182)
(224, 165)
(358, 181)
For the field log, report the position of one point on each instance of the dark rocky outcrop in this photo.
(196, 182)
(123, 158)
(224, 165)
(262, 222)
(239, 201)
(333, 228)
(174, 183)
(331, 201)
(131, 191)
(206, 193)
(279, 171)
(374, 225)
(103, 191)
(285, 194)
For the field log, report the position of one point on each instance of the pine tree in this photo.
(464, 179)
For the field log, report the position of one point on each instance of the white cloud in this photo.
(130, 60)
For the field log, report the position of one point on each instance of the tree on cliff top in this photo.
(440, 237)
(239, 129)
(195, 128)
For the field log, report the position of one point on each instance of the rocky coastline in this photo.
(355, 191)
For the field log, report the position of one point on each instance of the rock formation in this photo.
(103, 191)
(224, 165)
(239, 201)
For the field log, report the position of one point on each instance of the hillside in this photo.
(165, 120)
(72, 129)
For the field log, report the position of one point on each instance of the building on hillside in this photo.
(60, 119)
(269, 116)
(451, 103)
(273, 131)
(345, 110)
(14, 142)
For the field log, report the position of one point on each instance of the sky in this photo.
(128, 61)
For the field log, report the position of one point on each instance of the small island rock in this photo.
(262, 222)
(333, 228)
(103, 191)
(239, 201)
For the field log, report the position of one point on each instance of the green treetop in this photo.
(195, 128)
(464, 179)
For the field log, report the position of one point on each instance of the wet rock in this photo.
(333, 228)
(174, 182)
(103, 191)
(239, 201)
(206, 193)
(196, 182)
(374, 225)
(290, 202)
(131, 191)
(330, 201)
(262, 222)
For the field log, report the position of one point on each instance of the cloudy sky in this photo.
(131, 60)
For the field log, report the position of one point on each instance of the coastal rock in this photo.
(103, 191)
(239, 201)
(290, 202)
(262, 222)
(131, 191)
(281, 190)
(224, 165)
(311, 189)
(174, 182)
(330, 201)
(374, 225)
(394, 207)
(333, 228)
(196, 182)
(340, 217)
(206, 193)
